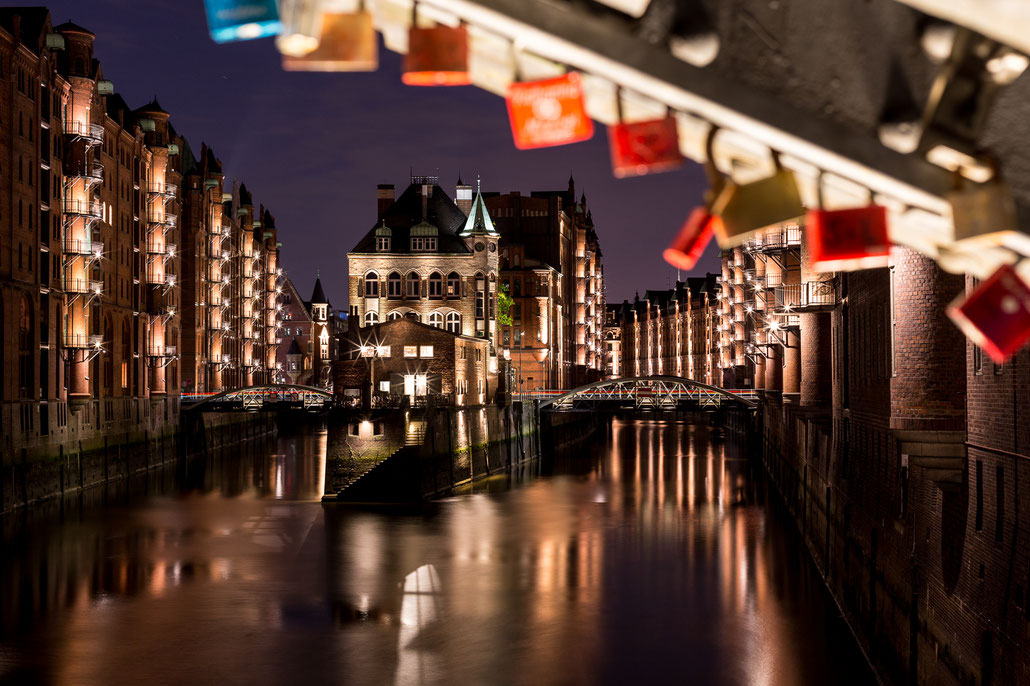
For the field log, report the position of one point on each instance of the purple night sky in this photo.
(312, 147)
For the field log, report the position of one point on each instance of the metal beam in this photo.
(1006, 21)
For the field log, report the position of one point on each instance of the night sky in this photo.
(312, 147)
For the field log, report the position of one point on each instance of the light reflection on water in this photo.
(653, 560)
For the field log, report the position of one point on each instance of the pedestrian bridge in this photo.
(661, 393)
(257, 398)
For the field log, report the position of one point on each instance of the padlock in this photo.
(746, 209)
(348, 43)
(984, 214)
(548, 112)
(644, 147)
(996, 316)
(302, 26)
(232, 20)
(437, 56)
(695, 235)
(844, 240)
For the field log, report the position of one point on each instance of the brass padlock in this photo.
(748, 208)
(984, 214)
(348, 43)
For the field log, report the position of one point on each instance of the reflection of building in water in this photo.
(418, 663)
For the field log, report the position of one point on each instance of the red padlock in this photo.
(996, 316)
(437, 56)
(843, 240)
(686, 249)
(644, 147)
(549, 112)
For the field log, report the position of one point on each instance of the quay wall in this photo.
(106, 441)
(419, 455)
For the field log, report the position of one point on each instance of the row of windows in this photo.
(410, 351)
(451, 322)
(394, 286)
(418, 243)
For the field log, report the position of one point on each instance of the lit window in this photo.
(384, 386)
(371, 318)
(393, 315)
(411, 351)
(425, 351)
(383, 351)
(454, 322)
(436, 319)
(453, 285)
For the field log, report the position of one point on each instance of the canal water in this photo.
(656, 556)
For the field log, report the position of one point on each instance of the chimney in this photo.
(384, 198)
(463, 197)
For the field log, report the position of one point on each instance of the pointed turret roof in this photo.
(479, 221)
(153, 107)
(318, 295)
(294, 348)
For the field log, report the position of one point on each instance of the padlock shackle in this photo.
(716, 180)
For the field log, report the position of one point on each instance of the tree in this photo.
(504, 303)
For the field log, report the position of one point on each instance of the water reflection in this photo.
(652, 560)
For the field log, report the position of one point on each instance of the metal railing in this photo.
(92, 132)
(72, 247)
(167, 189)
(93, 170)
(83, 208)
(81, 285)
(82, 340)
(782, 238)
(818, 293)
(161, 350)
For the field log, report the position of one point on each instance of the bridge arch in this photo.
(255, 397)
(662, 390)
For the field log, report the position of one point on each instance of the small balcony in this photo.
(92, 172)
(82, 286)
(167, 190)
(81, 341)
(86, 248)
(92, 133)
(819, 295)
(784, 237)
(83, 208)
(160, 248)
(161, 351)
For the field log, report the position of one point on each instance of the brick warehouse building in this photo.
(551, 264)
(107, 268)
(405, 358)
(309, 340)
(897, 446)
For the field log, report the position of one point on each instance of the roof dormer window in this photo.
(382, 243)
(423, 244)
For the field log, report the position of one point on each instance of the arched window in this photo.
(393, 285)
(371, 285)
(414, 285)
(371, 318)
(108, 370)
(394, 314)
(453, 285)
(413, 316)
(25, 345)
(436, 319)
(480, 296)
(454, 322)
(435, 285)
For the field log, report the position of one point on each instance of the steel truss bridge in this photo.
(660, 393)
(257, 398)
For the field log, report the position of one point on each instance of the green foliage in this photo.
(504, 303)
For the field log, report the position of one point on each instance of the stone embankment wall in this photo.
(119, 445)
(410, 456)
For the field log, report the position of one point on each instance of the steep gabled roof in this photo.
(294, 348)
(406, 212)
(71, 27)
